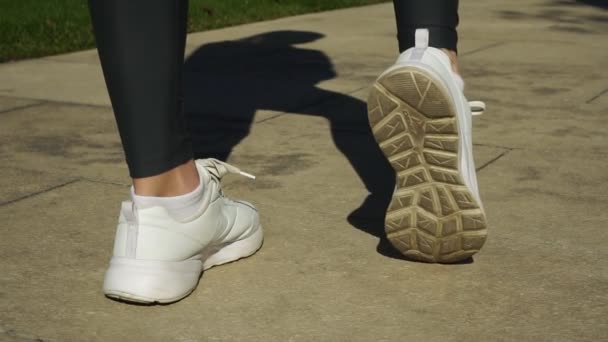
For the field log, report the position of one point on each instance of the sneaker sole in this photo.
(433, 216)
(151, 281)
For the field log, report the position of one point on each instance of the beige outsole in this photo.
(433, 217)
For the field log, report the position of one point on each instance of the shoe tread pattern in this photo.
(433, 216)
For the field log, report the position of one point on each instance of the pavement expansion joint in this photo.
(29, 105)
(39, 192)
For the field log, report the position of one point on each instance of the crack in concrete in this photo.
(48, 101)
(492, 161)
(66, 61)
(498, 146)
(21, 107)
(97, 181)
(61, 186)
(483, 48)
(270, 118)
(13, 333)
(597, 96)
(38, 192)
(311, 104)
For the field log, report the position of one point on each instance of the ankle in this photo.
(453, 56)
(178, 181)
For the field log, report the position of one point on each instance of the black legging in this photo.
(141, 47)
(439, 16)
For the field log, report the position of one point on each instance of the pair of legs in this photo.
(178, 223)
(141, 46)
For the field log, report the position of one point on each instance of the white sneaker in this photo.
(422, 122)
(159, 259)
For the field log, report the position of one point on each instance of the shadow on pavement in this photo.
(227, 82)
(560, 13)
(597, 3)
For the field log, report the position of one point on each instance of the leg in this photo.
(141, 48)
(178, 223)
(440, 17)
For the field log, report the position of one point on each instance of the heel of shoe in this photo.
(151, 281)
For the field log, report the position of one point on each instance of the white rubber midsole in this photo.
(150, 281)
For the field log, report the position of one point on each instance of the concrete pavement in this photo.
(284, 100)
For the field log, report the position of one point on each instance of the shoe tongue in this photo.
(216, 168)
(203, 172)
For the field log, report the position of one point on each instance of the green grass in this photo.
(34, 28)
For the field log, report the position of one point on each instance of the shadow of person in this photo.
(597, 3)
(226, 82)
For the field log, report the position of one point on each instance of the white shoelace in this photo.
(477, 107)
(219, 169)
